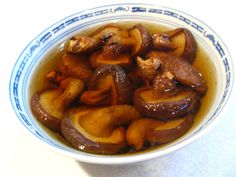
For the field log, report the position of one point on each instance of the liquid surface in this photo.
(202, 63)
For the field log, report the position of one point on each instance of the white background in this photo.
(213, 155)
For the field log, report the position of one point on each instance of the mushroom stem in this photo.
(72, 88)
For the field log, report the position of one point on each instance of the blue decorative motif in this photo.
(45, 37)
(169, 13)
(71, 21)
(58, 28)
(101, 12)
(119, 9)
(197, 27)
(157, 11)
(184, 19)
(139, 9)
(82, 17)
(33, 48)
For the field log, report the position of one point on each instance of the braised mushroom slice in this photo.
(182, 71)
(156, 132)
(80, 44)
(163, 107)
(170, 131)
(75, 65)
(109, 85)
(98, 131)
(137, 43)
(179, 42)
(49, 105)
(137, 130)
(98, 58)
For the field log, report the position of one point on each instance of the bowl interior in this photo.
(37, 49)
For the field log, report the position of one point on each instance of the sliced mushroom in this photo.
(100, 130)
(137, 130)
(165, 108)
(109, 85)
(156, 132)
(182, 71)
(49, 105)
(99, 58)
(170, 130)
(80, 44)
(138, 43)
(75, 65)
(179, 42)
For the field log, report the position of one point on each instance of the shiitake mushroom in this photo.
(82, 44)
(137, 43)
(162, 107)
(98, 130)
(155, 131)
(179, 42)
(75, 65)
(109, 85)
(49, 105)
(98, 58)
(183, 72)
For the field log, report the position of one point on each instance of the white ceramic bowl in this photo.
(44, 42)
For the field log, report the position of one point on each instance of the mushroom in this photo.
(137, 130)
(98, 58)
(75, 65)
(109, 85)
(137, 43)
(49, 105)
(148, 68)
(170, 131)
(163, 107)
(156, 132)
(99, 130)
(183, 72)
(95, 40)
(179, 42)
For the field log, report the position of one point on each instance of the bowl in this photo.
(33, 53)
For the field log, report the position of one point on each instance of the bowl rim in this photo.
(106, 159)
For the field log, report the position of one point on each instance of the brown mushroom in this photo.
(182, 71)
(162, 107)
(75, 65)
(137, 43)
(95, 40)
(148, 68)
(109, 85)
(179, 42)
(170, 131)
(49, 105)
(156, 132)
(137, 130)
(98, 131)
(98, 58)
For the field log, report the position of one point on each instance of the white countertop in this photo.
(213, 155)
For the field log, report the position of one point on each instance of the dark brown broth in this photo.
(202, 63)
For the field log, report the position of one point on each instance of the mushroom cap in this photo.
(165, 108)
(43, 108)
(143, 39)
(123, 87)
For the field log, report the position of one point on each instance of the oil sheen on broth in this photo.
(202, 63)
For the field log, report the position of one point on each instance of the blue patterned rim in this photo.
(43, 42)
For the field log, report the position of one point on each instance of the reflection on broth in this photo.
(123, 88)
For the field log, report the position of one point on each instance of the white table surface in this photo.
(213, 155)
